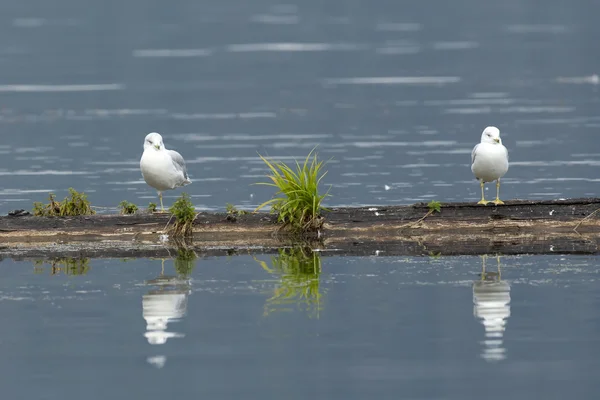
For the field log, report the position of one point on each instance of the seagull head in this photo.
(153, 140)
(491, 135)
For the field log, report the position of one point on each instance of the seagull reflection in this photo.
(491, 299)
(166, 303)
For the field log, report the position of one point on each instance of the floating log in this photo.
(517, 227)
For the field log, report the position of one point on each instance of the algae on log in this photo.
(519, 226)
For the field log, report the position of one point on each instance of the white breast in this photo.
(158, 170)
(491, 162)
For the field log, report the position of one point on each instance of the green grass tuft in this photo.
(152, 207)
(434, 206)
(78, 204)
(184, 212)
(298, 272)
(298, 203)
(127, 207)
(233, 212)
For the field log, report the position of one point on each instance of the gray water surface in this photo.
(369, 327)
(396, 93)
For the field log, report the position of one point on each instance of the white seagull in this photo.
(162, 169)
(489, 161)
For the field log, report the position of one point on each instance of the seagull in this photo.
(162, 169)
(489, 161)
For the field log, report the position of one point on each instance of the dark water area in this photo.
(396, 93)
(339, 327)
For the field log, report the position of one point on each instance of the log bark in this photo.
(519, 226)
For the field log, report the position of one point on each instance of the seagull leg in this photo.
(498, 260)
(498, 201)
(162, 209)
(483, 257)
(482, 201)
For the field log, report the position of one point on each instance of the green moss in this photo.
(152, 207)
(77, 204)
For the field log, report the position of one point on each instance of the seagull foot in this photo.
(498, 202)
(483, 202)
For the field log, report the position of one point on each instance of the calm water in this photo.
(415, 328)
(396, 92)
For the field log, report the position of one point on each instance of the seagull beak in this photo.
(497, 140)
(157, 146)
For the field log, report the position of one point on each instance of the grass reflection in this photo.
(297, 271)
(66, 265)
(185, 261)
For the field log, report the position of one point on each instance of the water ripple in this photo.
(159, 53)
(398, 27)
(393, 80)
(61, 88)
(292, 47)
(271, 19)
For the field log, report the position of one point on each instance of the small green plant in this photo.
(78, 204)
(66, 265)
(298, 273)
(298, 203)
(185, 261)
(127, 207)
(184, 212)
(435, 254)
(231, 209)
(233, 212)
(152, 207)
(433, 206)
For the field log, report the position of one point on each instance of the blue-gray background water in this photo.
(374, 327)
(397, 94)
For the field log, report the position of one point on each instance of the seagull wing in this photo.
(178, 162)
(474, 153)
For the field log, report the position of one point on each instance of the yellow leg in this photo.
(498, 201)
(482, 201)
(162, 209)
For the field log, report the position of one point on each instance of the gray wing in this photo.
(474, 153)
(178, 162)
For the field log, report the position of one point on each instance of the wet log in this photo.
(517, 227)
